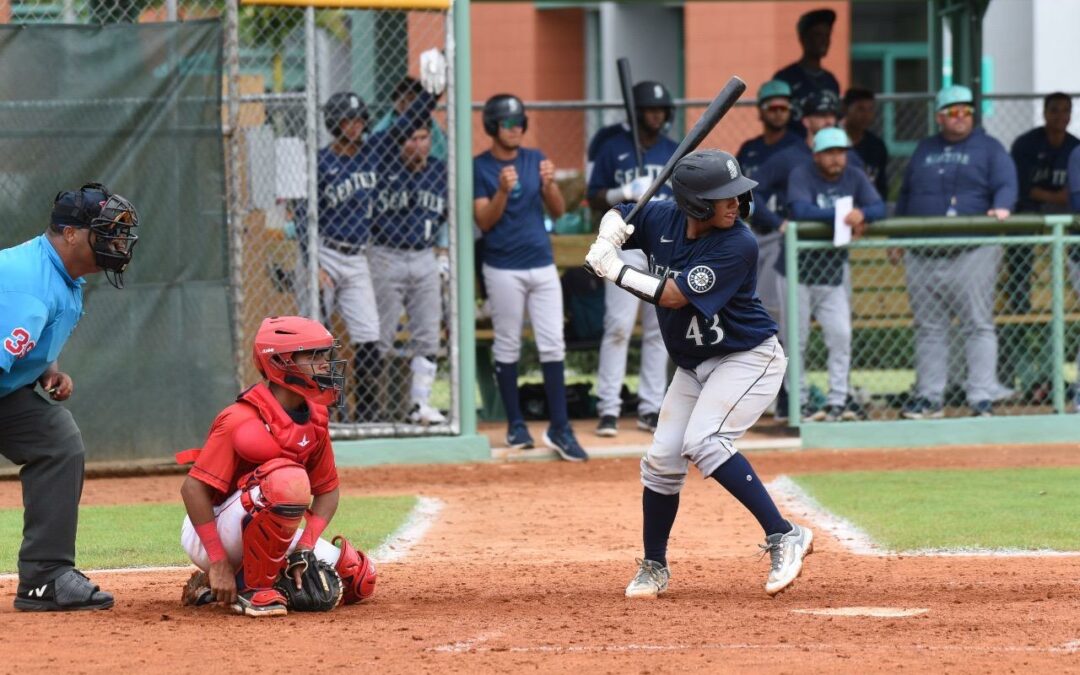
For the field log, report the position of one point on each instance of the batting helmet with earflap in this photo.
(502, 107)
(704, 176)
(341, 106)
(649, 94)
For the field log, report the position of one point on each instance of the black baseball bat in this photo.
(626, 83)
(713, 114)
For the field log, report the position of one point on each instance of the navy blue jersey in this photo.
(770, 195)
(718, 275)
(755, 152)
(409, 207)
(1040, 165)
(811, 197)
(614, 162)
(967, 178)
(802, 82)
(1074, 180)
(518, 240)
(601, 136)
(875, 155)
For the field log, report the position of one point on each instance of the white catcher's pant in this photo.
(510, 292)
(620, 314)
(229, 517)
(706, 409)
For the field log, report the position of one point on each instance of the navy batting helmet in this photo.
(649, 94)
(821, 102)
(502, 107)
(707, 175)
(341, 106)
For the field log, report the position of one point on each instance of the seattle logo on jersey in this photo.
(624, 176)
(394, 200)
(701, 279)
(341, 192)
(19, 343)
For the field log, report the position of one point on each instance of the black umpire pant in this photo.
(43, 439)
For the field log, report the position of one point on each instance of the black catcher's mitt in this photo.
(322, 587)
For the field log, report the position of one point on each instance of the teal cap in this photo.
(954, 94)
(829, 138)
(773, 89)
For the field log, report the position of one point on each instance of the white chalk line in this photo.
(859, 542)
(416, 525)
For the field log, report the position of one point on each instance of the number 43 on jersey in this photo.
(714, 332)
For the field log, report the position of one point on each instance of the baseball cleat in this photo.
(786, 552)
(424, 414)
(650, 581)
(648, 421)
(564, 443)
(518, 437)
(261, 603)
(71, 591)
(608, 426)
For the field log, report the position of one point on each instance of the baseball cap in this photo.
(953, 95)
(821, 102)
(814, 17)
(773, 89)
(829, 138)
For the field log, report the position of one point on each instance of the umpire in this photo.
(41, 302)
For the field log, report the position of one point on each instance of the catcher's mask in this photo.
(278, 341)
(111, 220)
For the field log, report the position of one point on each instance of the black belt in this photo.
(343, 247)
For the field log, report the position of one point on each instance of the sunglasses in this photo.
(959, 111)
(776, 108)
(512, 122)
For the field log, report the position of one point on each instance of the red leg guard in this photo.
(276, 511)
(357, 572)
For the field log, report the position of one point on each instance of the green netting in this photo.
(137, 107)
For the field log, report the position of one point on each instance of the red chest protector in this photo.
(274, 434)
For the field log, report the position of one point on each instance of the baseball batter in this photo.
(512, 187)
(702, 277)
(614, 177)
(266, 465)
(408, 211)
(41, 301)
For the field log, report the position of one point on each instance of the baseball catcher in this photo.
(267, 465)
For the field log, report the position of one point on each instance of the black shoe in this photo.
(71, 591)
(647, 422)
(564, 443)
(608, 426)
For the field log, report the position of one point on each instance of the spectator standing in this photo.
(1073, 261)
(807, 75)
(858, 116)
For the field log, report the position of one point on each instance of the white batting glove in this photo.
(635, 189)
(603, 257)
(614, 229)
(433, 71)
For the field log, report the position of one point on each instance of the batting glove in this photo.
(604, 259)
(614, 229)
(433, 72)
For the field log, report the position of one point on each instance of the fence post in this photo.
(1057, 308)
(791, 319)
(311, 143)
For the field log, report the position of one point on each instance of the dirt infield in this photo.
(524, 569)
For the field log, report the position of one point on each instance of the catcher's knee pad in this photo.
(276, 508)
(357, 572)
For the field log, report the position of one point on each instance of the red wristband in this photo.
(211, 541)
(315, 526)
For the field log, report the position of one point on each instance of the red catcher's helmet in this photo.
(279, 337)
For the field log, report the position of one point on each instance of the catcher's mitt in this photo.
(322, 587)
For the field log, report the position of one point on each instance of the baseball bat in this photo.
(713, 114)
(626, 83)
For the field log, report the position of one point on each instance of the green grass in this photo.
(147, 535)
(992, 509)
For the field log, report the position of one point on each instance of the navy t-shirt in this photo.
(518, 240)
(802, 82)
(718, 275)
(614, 162)
(755, 152)
(875, 155)
(410, 206)
(770, 195)
(1038, 164)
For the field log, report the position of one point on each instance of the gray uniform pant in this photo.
(620, 314)
(831, 306)
(407, 280)
(510, 292)
(706, 409)
(44, 441)
(1074, 279)
(960, 286)
(769, 287)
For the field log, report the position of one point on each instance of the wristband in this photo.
(315, 526)
(208, 534)
(645, 285)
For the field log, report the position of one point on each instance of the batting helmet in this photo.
(279, 338)
(111, 218)
(707, 175)
(503, 107)
(821, 102)
(649, 94)
(344, 105)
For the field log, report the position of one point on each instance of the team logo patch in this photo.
(701, 279)
(732, 170)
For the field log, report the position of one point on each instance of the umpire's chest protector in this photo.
(274, 433)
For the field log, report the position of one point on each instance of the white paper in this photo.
(841, 230)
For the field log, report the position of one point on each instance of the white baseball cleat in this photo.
(650, 581)
(786, 552)
(424, 414)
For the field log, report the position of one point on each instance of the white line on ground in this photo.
(858, 542)
(120, 570)
(638, 450)
(419, 521)
(883, 612)
(474, 646)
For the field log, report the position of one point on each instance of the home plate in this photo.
(885, 612)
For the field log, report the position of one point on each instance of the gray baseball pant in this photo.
(510, 292)
(769, 284)
(620, 314)
(43, 439)
(706, 409)
(407, 280)
(960, 286)
(831, 306)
